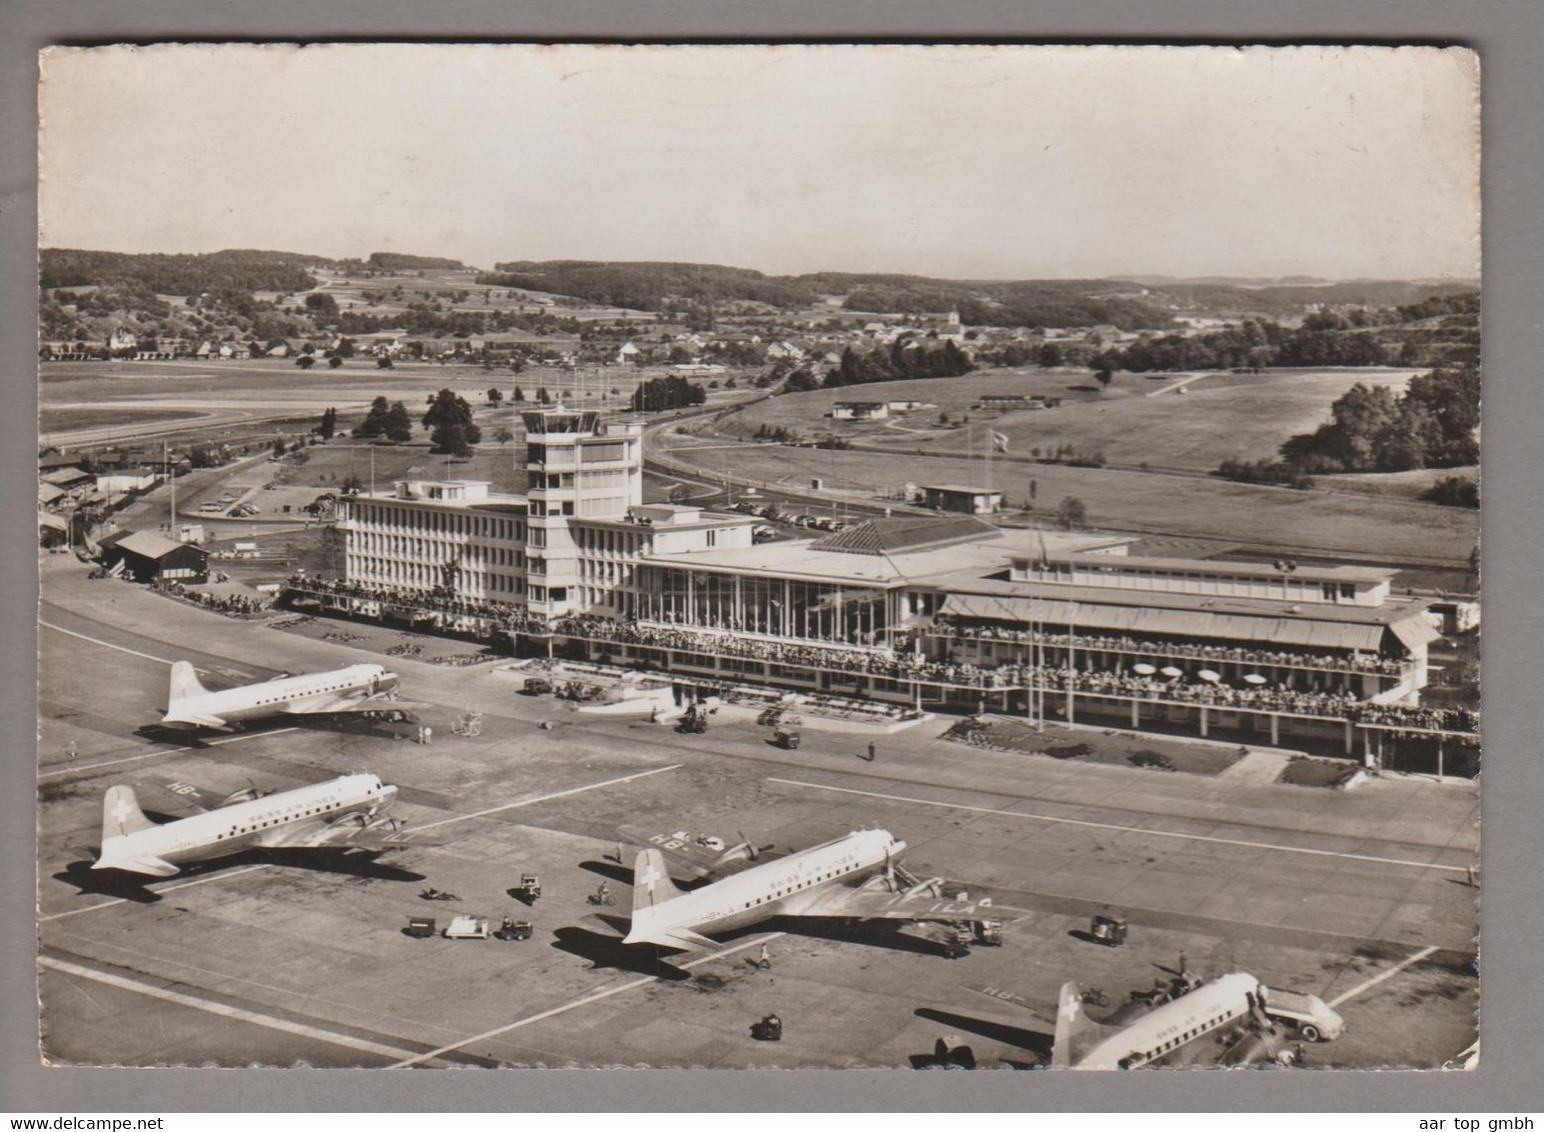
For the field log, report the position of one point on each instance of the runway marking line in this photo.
(1126, 828)
(209, 1006)
(1408, 961)
(169, 888)
(104, 644)
(544, 798)
(585, 1000)
(169, 751)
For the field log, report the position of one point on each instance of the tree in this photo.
(279, 447)
(323, 304)
(451, 439)
(383, 362)
(399, 426)
(329, 424)
(543, 397)
(374, 423)
(518, 395)
(1071, 513)
(305, 361)
(352, 484)
(502, 435)
(449, 420)
(334, 362)
(1103, 375)
(495, 396)
(1050, 355)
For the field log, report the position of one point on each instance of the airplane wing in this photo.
(322, 705)
(183, 795)
(194, 719)
(701, 856)
(913, 905)
(352, 833)
(1018, 1000)
(337, 705)
(680, 938)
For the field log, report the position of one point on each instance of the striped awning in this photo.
(1298, 631)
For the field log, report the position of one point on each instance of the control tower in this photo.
(576, 467)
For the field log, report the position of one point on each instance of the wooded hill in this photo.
(231, 270)
(1125, 303)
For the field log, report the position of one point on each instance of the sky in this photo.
(962, 162)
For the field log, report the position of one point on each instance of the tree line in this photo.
(905, 359)
(661, 394)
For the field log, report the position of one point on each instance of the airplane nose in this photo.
(387, 682)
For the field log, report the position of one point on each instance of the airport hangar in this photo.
(924, 611)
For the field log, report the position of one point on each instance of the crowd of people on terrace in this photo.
(1356, 662)
(233, 605)
(436, 600)
(908, 666)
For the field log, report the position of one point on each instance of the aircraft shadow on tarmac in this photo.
(1034, 1041)
(608, 951)
(356, 863)
(624, 875)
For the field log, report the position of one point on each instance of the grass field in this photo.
(1399, 485)
(123, 394)
(1331, 523)
(55, 419)
(1216, 417)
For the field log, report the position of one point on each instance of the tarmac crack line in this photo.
(594, 996)
(1127, 828)
(546, 797)
(209, 1006)
(1360, 988)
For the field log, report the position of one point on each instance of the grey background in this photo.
(1510, 38)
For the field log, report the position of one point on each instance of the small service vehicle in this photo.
(467, 927)
(787, 738)
(1308, 1014)
(420, 927)
(1109, 930)
(536, 686)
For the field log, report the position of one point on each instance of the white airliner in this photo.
(345, 689)
(853, 877)
(345, 812)
(1236, 1012)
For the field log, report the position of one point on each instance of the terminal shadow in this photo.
(608, 951)
(1024, 1038)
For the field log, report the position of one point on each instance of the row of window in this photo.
(236, 831)
(442, 521)
(829, 874)
(1180, 1039)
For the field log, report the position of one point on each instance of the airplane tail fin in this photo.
(1076, 1032)
(651, 882)
(121, 814)
(184, 682)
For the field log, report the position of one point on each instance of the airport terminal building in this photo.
(923, 611)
